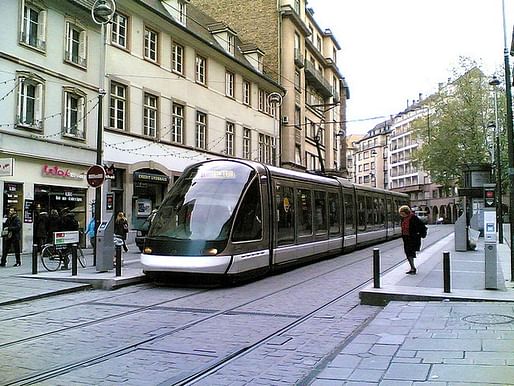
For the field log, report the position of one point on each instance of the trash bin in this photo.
(473, 236)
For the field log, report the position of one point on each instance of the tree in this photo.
(456, 131)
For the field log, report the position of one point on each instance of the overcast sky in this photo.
(392, 50)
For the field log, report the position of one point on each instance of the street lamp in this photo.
(275, 99)
(101, 13)
(499, 204)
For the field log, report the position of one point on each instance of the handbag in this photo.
(6, 233)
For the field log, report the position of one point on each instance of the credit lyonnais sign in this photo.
(151, 177)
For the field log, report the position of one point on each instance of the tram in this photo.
(235, 218)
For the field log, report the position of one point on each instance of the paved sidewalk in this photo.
(18, 284)
(465, 337)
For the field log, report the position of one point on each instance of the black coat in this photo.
(13, 224)
(417, 231)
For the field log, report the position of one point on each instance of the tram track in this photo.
(187, 378)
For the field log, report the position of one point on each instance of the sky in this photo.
(393, 50)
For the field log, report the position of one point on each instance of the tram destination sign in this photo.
(95, 176)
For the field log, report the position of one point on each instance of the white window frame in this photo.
(177, 58)
(262, 100)
(33, 32)
(182, 12)
(230, 133)
(119, 30)
(151, 45)
(230, 84)
(118, 106)
(30, 104)
(150, 114)
(247, 143)
(231, 43)
(201, 130)
(75, 48)
(247, 92)
(177, 123)
(265, 149)
(201, 69)
(74, 114)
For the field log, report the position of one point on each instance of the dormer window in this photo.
(224, 36)
(177, 9)
(254, 56)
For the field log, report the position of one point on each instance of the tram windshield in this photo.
(201, 204)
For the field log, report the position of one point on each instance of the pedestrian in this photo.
(54, 225)
(121, 228)
(413, 230)
(91, 232)
(41, 229)
(68, 224)
(11, 237)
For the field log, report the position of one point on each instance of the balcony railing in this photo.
(315, 77)
(298, 58)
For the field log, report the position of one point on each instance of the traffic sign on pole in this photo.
(95, 176)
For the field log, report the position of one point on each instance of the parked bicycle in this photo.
(53, 256)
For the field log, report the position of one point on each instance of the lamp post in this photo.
(101, 13)
(275, 99)
(510, 138)
(499, 204)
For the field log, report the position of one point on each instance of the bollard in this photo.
(118, 260)
(376, 268)
(446, 271)
(34, 258)
(74, 260)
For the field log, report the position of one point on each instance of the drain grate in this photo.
(488, 319)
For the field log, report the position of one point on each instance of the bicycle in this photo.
(52, 256)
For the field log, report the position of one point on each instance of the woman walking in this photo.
(413, 230)
(121, 228)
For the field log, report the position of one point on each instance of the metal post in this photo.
(499, 204)
(34, 258)
(446, 271)
(510, 139)
(376, 268)
(118, 260)
(74, 260)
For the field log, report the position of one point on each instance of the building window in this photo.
(229, 84)
(247, 143)
(247, 92)
(201, 69)
(150, 115)
(297, 6)
(177, 58)
(118, 106)
(262, 100)
(119, 30)
(76, 41)
(229, 138)
(151, 44)
(265, 149)
(177, 124)
(201, 130)
(297, 82)
(318, 43)
(33, 27)
(74, 113)
(297, 116)
(30, 103)
(231, 43)
(182, 12)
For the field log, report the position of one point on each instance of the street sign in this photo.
(69, 237)
(95, 176)
(489, 196)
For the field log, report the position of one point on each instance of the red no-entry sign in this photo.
(95, 176)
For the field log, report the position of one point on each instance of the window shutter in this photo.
(67, 42)
(83, 48)
(20, 101)
(81, 117)
(41, 30)
(38, 108)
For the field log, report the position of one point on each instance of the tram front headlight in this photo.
(147, 250)
(210, 251)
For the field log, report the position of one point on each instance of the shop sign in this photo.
(28, 212)
(109, 172)
(6, 167)
(150, 177)
(69, 237)
(95, 176)
(56, 171)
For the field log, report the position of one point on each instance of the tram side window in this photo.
(304, 212)
(349, 218)
(248, 224)
(320, 212)
(396, 215)
(371, 213)
(361, 213)
(333, 214)
(389, 213)
(285, 215)
(381, 212)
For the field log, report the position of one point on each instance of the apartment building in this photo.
(302, 57)
(179, 87)
(371, 157)
(352, 147)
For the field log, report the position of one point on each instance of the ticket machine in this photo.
(105, 245)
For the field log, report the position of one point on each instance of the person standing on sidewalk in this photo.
(413, 230)
(11, 237)
(121, 228)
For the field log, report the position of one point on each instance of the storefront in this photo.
(150, 186)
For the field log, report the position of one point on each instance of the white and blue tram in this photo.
(234, 218)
